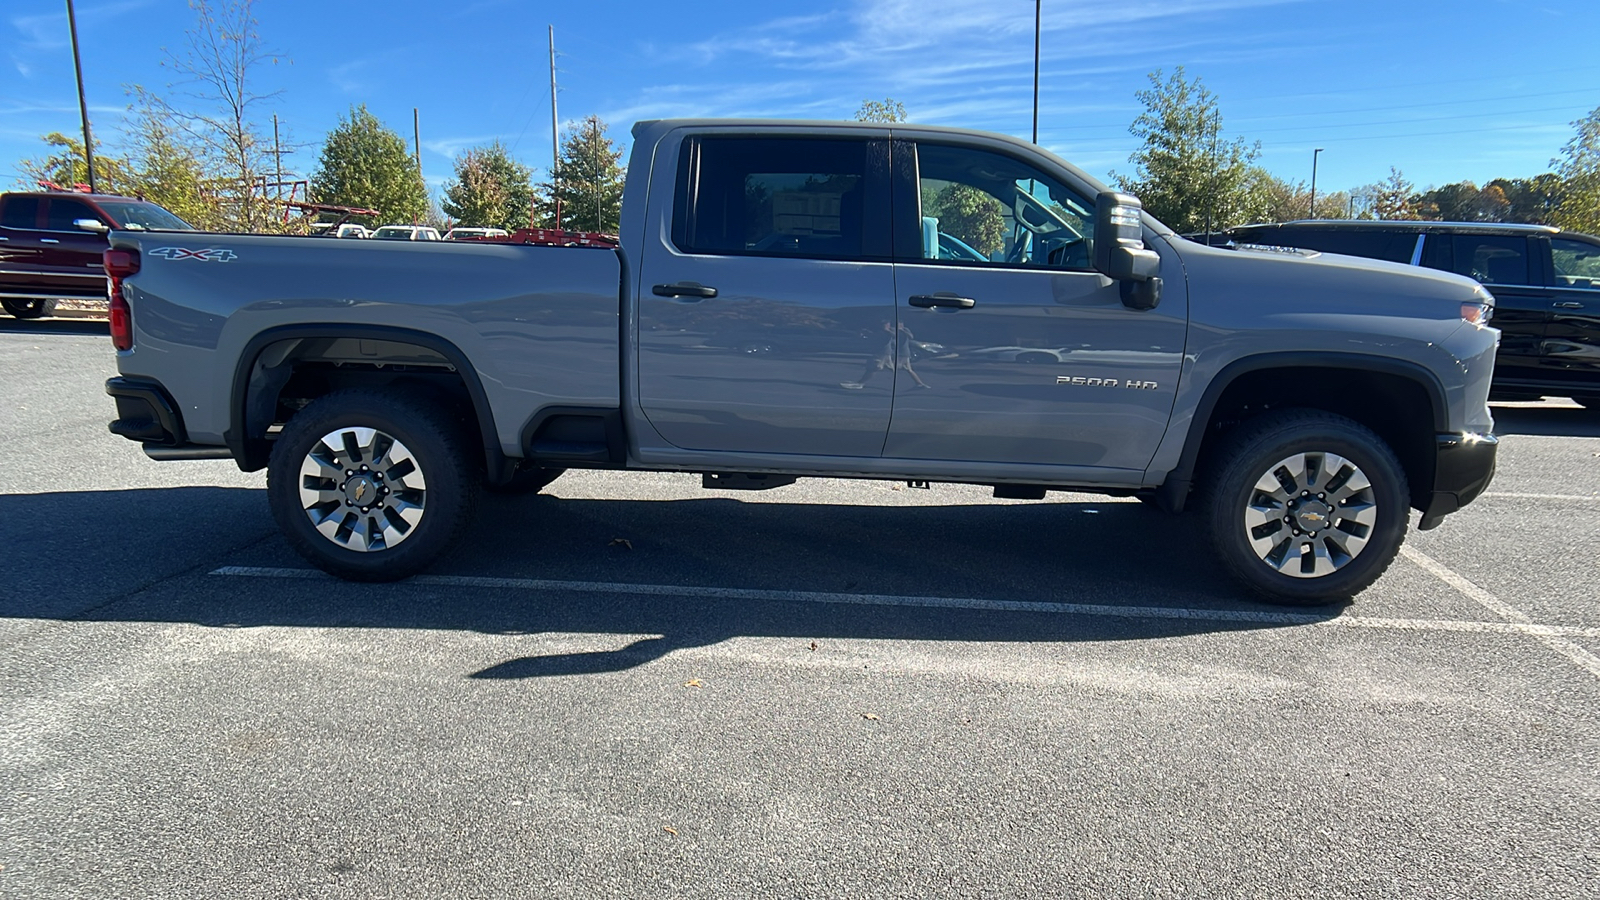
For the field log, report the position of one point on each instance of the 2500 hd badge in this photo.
(1106, 382)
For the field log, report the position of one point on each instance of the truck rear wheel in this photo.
(1306, 507)
(25, 309)
(371, 485)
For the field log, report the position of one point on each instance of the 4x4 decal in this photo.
(212, 255)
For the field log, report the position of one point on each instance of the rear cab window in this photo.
(811, 198)
(20, 212)
(1492, 258)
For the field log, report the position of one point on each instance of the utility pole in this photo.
(277, 156)
(416, 149)
(1314, 154)
(1036, 13)
(83, 106)
(555, 135)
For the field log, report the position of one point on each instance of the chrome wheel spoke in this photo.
(1310, 514)
(362, 489)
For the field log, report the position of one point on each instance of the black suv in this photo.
(1545, 281)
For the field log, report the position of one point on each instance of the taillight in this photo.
(119, 265)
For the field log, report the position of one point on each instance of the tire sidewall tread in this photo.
(441, 447)
(1241, 459)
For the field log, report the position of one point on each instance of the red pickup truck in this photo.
(51, 244)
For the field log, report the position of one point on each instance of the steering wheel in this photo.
(1073, 254)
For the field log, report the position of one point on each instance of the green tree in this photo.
(168, 169)
(1392, 198)
(1530, 200)
(217, 104)
(66, 165)
(1186, 175)
(366, 164)
(587, 185)
(490, 190)
(971, 215)
(1578, 167)
(886, 110)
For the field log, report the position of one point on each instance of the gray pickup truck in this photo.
(815, 299)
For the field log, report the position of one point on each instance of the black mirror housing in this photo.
(1119, 250)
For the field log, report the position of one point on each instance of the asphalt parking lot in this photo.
(631, 687)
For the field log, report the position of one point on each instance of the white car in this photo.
(475, 234)
(348, 230)
(406, 233)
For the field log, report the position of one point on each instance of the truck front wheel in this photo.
(25, 309)
(372, 485)
(1306, 507)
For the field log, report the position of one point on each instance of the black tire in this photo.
(436, 443)
(526, 481)
(1248, 454)
(25, 309)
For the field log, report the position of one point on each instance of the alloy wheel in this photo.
(362, 489)
(1310, 514)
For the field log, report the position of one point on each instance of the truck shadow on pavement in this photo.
(153, 566)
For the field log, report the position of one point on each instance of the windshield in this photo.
(391, 233)
(140, 214)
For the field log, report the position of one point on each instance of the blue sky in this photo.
(1469, 89)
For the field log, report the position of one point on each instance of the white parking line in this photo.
(1555, 641)
(1074, 609)
(1587, 498)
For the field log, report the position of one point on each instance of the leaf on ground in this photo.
(694, 683)
(872, 716)
(813, 645)
(669, 829)
(621, 542)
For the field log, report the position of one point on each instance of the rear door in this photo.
(1009, 348)
(771, 288)
(1508, 266)
(19, 244)
(1572, 339)
(71, 255)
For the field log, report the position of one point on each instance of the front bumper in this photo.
(1463, 467)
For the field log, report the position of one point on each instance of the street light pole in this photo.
(1314, 154)
(83, 106)
(1036, 14)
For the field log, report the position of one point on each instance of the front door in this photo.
(774, 285)
(71, 255)
(1011, 349)
(1572, 339)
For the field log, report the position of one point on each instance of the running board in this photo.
(168, 452)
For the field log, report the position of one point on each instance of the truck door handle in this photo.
(1567, 304)
(941, 300)
(684, 289)
(48, 241)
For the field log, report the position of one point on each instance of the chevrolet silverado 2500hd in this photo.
(816, 299)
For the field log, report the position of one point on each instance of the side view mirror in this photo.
(94, 225)
(1119, 250)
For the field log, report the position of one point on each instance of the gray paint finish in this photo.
(539, 324)
(755, 379)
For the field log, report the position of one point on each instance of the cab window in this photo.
(1577, 263)
(64, 211)
(982, 208)
(1492, 258)
(20, 212)
(814, 198)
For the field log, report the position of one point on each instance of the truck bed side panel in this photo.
(540, 324)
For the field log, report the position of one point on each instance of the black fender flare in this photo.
(251, 451)
(1175, 488)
